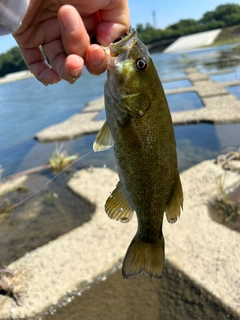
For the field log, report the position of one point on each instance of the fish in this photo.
(139, 127)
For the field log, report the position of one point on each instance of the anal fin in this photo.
(117, 206)
(173, 208)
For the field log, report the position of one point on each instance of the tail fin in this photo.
(144, 257)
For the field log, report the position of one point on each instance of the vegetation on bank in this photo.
(11, 61)
(228, 35)
(222, 17)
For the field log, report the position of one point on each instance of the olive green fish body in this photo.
(141, 130)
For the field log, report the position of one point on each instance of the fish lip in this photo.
(116, 48)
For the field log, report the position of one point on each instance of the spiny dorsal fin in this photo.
(103, 139)
(117, 206)
(173, 209)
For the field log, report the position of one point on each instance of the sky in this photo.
(167, 12)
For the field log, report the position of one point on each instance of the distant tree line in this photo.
(11, 61)
(222, 16)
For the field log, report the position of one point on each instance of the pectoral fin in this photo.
(103, 139)
(117, 206)
(173, 209)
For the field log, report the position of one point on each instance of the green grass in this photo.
(228, 35)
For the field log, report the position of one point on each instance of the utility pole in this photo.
(154, 20)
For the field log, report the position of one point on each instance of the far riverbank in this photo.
(16, 76)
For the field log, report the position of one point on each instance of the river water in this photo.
(27, 106)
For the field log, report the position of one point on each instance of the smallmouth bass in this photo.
(139, 125)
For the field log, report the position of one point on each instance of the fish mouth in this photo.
(123, 45)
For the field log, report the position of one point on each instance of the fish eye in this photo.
(141, 64)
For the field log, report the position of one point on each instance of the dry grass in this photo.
(60, 159)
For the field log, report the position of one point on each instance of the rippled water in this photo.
(234, 90)
(229, 76)
(184, 101)
(177, 84)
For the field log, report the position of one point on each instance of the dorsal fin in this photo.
(117, 206)
(103, 139)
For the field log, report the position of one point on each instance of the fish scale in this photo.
(139, 125)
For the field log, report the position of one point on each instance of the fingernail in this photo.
(97, 58)
(76, 72)
(72, 81)
(53, 81)
(70, 20)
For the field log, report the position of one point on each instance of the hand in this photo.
(63, 32)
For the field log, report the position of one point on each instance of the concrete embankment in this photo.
(193, 41)
(11, 77)
(195, 245)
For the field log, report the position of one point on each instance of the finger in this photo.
(69, 68)
(74, 36)
(95, 59)
(29, 42)
(38, 66)
(114, 22)
(38, 34)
